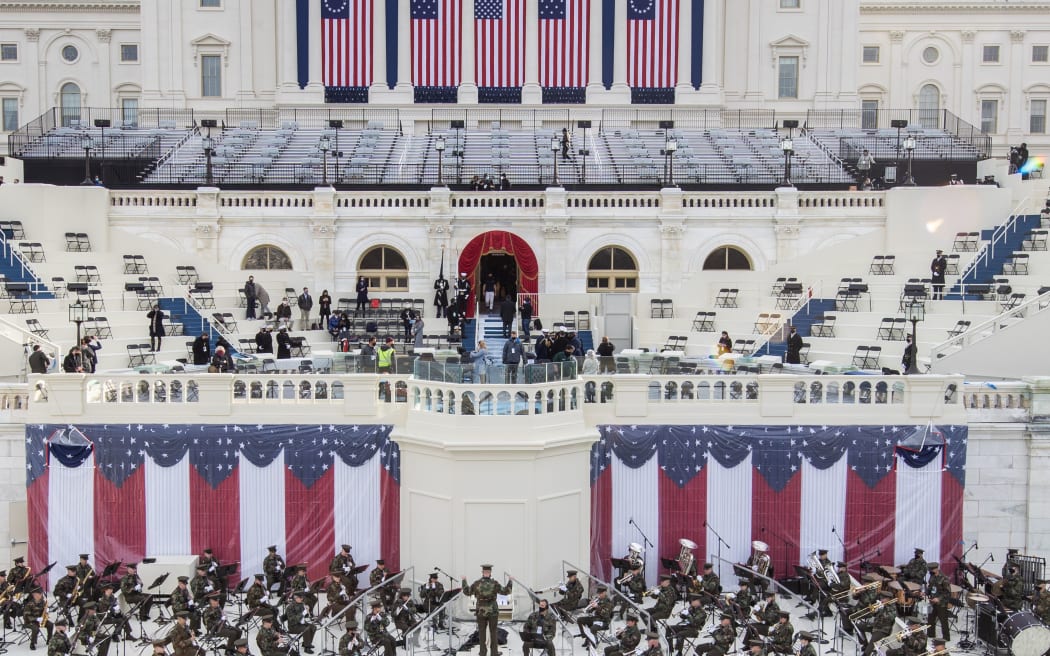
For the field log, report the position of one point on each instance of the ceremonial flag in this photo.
(565, 28)
(499, 42)
(652, 43)
(849, 489)
(436, 42)
(346, 35)
(124, 492)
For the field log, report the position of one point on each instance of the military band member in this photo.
(653, 644)
(64, 590)
(1011, 558)
(404, 613)
(258, 593)
(87, 630)
(914, 642)
(215, 622)
(666, 597)
(338, 599)
(694, 617)
(298, 614)
(273, 567)
(7, 591)
(268, 640)
(756, 648)
(34, 617)
(724, 635)
(109, 607)
(709, 584)
(58, 644)
(1012, 594)
(1041, 605)
(301, 583)
(342, 566)
(915, 569)
(868, 596)
(485, 591)
(633, 588)
(806, 648)
(884, 622)
(19, 575)
(240, 647)
(350, 644)
(539, 629)
(938, 591)
(939, 647)
(840, 590)
(599, 615)
(572, 593)
(742, 601)
(430, 593)
(770, 613)
(160, 647)
(375, 627)
(131, 589)
(782, 636)
(378, 574)
(629, 638)
(181, 600)
(181, 638)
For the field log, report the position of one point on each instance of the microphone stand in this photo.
(721, 542)
(447, 615)
(645, 539)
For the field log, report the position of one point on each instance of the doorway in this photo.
(498, 270)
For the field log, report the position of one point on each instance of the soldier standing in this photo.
(538, 632)
(375, 627)
(938, 590)
(462, 293)
(273, 567)
(694, 617)
(571, 591)
(666, 597)
(34, 617)
(441, 295)
(629, 637)
(342, 566)
(350, 643)
(724, 635)
(298, 615)
(600, 612)
(484, 590)
(59, 644)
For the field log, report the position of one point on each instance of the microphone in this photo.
(992, 557)
(705, 523)
(832, 529)
(975, 545)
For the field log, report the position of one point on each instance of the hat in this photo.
(914, 620)
(708, 566)
(267, 617)
(933, 566)
(784, 615)
(301, 566)
(726, 617)
(463, 273)
(886, 594)
(822, 552)
(212, 596)
(71, 568)
(754, 643)
(61, 623)
(184, 579)
(83, 556)
(383, 562)
(240, 642)
(938, 642)
(433, 575)
(182, 614)
(652, 635)
(260, 577)
(632, 618)
(939, 250)
(3, 573)
(840, 565)
(919, 551)
(208, 551)
(298, 593)
(486, 567)
(1011, 550)
(771, 593)
(405, 592)
(351, 625)
(37, 590)
(695, 597)
(160, 643)
(272, 547)
(89, 605)
(805, 635)
(744, 584)
(345, 547)
(602, 588)
(376, 603)
(571, 572)
(108, 586)
(20, 559)
(201, 567)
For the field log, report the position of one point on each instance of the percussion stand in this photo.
(970, 622)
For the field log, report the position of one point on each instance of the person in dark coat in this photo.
(542, 349)
(362, 294)
(73, 363)
(526, 311)
(441, 295)
(222, 361)
(606, 363)
(794, 350)
(909, 363)
(284, 344)
(249, 298)
(156, 318)
(201, 349)
(937, 268)
(506, 313)
(264, 341)
(38, 360)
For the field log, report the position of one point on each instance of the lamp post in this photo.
(337, 124)
(209, 149)
(909, 150)
(787, 145)
(78, 315)
(670, 148)
(325, 145)
(916, 312)
(87, 143)
(439, 146)
(555, 147)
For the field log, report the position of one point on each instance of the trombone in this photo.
(900, 637)
(870, 610)
(857, 590)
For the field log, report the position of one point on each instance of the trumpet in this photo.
(857, 590)
(651, 591)
(593, 604)
(934, 651)
(625, 578)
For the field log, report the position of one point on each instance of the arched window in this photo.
(612, 269)
(385, 269)
(929, 106)
(69, 99)
(265, 258)
(727, 258)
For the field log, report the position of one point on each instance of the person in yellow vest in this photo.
(385, 356)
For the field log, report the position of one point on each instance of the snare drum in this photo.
(974, 598)
(1024, 634)
(923, 608)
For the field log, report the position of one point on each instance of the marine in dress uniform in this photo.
(484, 591)
(629, 636)
(539, 629)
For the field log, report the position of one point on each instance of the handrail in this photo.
(410, 642)
(566, 630)
(27, 338)
(15, 258)
(639, 611)
(991, 326)
(988, 252)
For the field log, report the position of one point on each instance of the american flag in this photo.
(346, 37)
(564, 42)
(499, 42)
(796, 488)
(125, 491)
(436, 42)
(652, 43)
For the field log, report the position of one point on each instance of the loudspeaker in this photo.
(666, 125)
(890, 175)
(456, 125)
(899, 123)
(209, 123)
(102, 123)
(790, 123)
(583, 124)
(335, 123)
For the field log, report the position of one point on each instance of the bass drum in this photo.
(1024, 634)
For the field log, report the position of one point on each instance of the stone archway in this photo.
(499, 241)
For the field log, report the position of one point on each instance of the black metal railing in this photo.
(882, 119)
(353, 118)
(887, 148)
(59, 119)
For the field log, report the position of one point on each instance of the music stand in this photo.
(159, 581)
(110, 569)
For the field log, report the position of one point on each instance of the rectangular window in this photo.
(1040, 54)
(8, 52)
(790, 4)
(788, 78)
(869, 114)
(871, 54)
(211, 4)
(129, 111)
(129, 52)
(989, 116)
(990, 55)
(1037, 117)
(211, 76)
(10, 109)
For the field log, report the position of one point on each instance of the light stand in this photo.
(102, 124)
(584, 152)
(439, 146)
(87, 143)
(325, 146)
(555, 147)
(670, 147)
(899, 124)
(909, 149)
(78, 314)
(787, 145)
(209, 149)
(916, 312)
(336, 124)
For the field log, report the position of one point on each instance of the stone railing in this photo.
(14, 400)
(495, 400)
(998, 402)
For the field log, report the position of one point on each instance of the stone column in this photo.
(35, 66)
(172, 79)
(825, 46)
(287, 49)
(620, 92)
(247, 54)
(1015, 127)
(105, 38)
(756, 53)
(468, 87)
(964, 93)
(848, 55)
(671, 269)
(531, 92)
(404, 52)
(595, 88)
(714, 34)
(898, 95)
(379, 85)
(149, 52)
(315, 84)
(684, 91)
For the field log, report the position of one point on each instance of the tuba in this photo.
(685, 555)
(634, 553)
(760, 558)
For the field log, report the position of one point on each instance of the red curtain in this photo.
(502, 242)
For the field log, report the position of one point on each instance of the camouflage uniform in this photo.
(32, 614)
(938, 588)
(1013, 591)
(538, 632)
(267, 641)
(181, 600)
(182, 642)
(338, 598)
(88, 630)
(59, 644)
(630, 638)
(375, 627)
(302, 584)
(348, 649)
(298, 615)
(915, 571)
(725, 637)
(342, 567)
(273, 568)
(484, 590)
(571, 596)
(215, 622)
(601, 614)
(666, 597)
(256, 596)
(1041, 608)
(131, 589)
(782, 636)
(694, 619)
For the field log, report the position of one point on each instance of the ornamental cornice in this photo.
(926, 6)
(57, 7)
